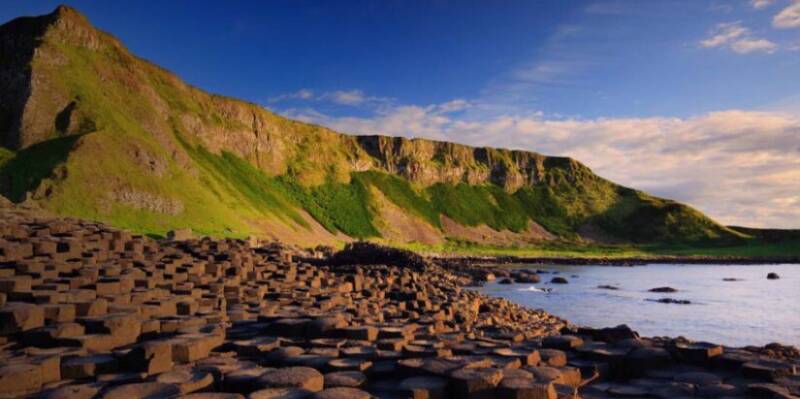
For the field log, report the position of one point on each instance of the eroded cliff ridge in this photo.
(90, 130)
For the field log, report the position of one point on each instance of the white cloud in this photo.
(302, 94)
(760, 4)
(724, 34)
(746, 46)
(738, 38)
(789, 17)
(741, 167)
(352, 97)
(348, 97)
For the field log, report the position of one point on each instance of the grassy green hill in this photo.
(104, 135)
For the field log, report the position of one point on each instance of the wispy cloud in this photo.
(746, 46)
(742, 167)
(760, 4)
(789, 17)
(738, 38)
(354, 97)
(302, 94)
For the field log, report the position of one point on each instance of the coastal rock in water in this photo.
(609, 334)
(666, 290)
(672, 300)
(505, 281)
(527, 278)
(607, 287)
(729, 279)
(559, 280)
(773, 276)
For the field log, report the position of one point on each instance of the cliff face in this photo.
(91, 130)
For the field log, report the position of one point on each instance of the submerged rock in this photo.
(559, 280)
(607, 287)
(672, 300)
(666, 290)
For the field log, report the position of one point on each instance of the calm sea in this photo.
(749, 311)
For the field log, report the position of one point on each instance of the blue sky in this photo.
(697, 100)
(571, 58)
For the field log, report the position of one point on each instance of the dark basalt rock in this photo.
(609, 334)
(558, 280)
(773, 276)
(663, 290)
(367, 253)
(608, 287)
(671, 300)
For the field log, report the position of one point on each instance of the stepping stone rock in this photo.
(425, 387)
(79, 391)
(562, 342)
(342, 393)
(244, 380)
(553, 357)
(16, 317)
(294, 377)
(213, 395)
(697, 352)
(152, 357)
(187, 380)
(88, 366)
(280, 393)
(144, 390)
(475, 382)
(698, 378)
(20, 379)
(523, 388)
(349, 364)
(352, 379)
(768, 369)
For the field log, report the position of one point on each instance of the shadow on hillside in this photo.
(30, 166)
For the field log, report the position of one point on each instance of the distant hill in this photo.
(89, 130)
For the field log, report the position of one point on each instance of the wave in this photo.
(534, 289)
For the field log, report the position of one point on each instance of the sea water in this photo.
(751, 310)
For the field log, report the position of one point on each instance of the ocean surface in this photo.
(750, 311)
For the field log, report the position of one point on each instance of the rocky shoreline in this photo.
(88, 311)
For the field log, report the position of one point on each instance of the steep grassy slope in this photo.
(95, 132)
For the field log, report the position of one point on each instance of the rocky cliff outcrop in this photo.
(140, 129)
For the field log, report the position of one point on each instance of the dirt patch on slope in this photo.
(486, 235)
(315, 234)
(397, 225)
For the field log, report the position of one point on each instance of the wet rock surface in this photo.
(87, 311)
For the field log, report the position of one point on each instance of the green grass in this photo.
(336, 206)
(262, 192)
(480, 204)
(26, 169)
(400, 192)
